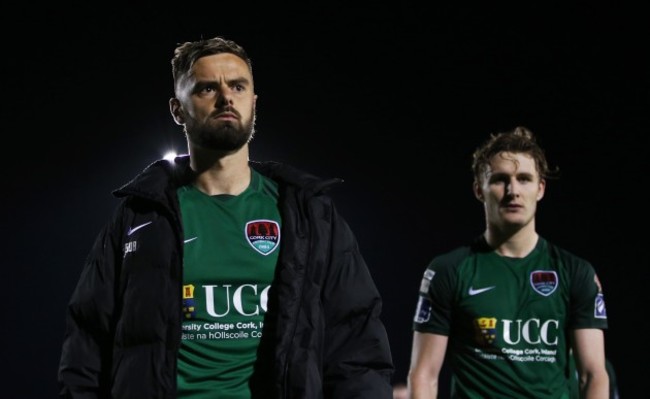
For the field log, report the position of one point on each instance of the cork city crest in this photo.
(544, 281)
(263, 235)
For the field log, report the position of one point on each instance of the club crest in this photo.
(263, 235)
(544, 282)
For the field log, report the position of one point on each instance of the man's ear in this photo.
(478, 193)
(542, 189)
(176, 111)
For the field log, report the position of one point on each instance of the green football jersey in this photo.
(231, 247)
(508, 319)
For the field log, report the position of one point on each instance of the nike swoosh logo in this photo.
(136, 228)
(473, 291)
(190, 239)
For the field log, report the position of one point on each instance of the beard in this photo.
(223, 136)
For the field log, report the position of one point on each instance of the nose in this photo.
(225, 96)
(512, 188)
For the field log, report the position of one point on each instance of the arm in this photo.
(427, 356)
(358, 361)
(589, 352)
(84, 364)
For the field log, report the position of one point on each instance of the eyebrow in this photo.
(499, 174)
(239, 80)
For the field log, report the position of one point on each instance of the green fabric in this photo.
(230, 254)
(508, 318)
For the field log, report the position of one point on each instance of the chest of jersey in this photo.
(230, 251)
(518, 301)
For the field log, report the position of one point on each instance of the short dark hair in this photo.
(518, 140)
(186, 54)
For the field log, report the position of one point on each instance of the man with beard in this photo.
(222, 277)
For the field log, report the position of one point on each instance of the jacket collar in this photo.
(161, 176)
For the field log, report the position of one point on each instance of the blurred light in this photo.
(170, 155)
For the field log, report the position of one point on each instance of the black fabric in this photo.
(322, 338)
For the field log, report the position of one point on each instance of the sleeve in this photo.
(587, 298)
(358, 361)
(433, 309)
(84, 367)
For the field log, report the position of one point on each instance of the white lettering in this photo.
(527, 333)
(532, 331)
(238, 298)
(545, 333)
(209, 300)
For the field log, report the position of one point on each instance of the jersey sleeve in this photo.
(587, 298)
(435, 298)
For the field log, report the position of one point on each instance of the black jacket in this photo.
(322, 337)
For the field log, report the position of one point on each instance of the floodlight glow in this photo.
(170, 155)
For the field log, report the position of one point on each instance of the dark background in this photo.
(391, 98)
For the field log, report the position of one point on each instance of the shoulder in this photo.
(453, 258)
(564, 256)
(157, 179)
(290, 177)
(576, 269)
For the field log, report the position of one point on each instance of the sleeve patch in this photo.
(428, 274)
(423, 310)
(599, 307)
(426, 281)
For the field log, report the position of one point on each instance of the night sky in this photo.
(393, 99)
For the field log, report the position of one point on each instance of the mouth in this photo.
(512, 207)
(227, 115)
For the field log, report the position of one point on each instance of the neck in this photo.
(514, 244)
(219, 173)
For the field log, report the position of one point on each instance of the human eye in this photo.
(497, 178)
(239, 87)
(525, 178)
(202, 92)
(204, 89)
